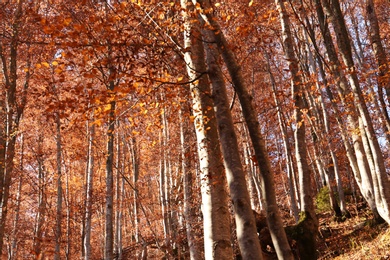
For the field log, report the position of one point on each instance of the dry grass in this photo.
(353, 239)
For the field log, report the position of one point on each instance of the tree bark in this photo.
(186, 163)
(109, 214)
(10, 114)
(308, 220)
(287, 148)
(380, 181)
(245, 222)
(89, 194)
(58, 227)
(40, 218)
(119, 197)
(216, 216)
(274, 219)
(13, 247)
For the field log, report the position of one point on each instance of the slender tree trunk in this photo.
(13, 251)
(245, 222)
(308, 220)
(68, 203)
(89, 193)
(216, 216)
(10, 115)
(135, 162)
(287, 149)
(164, 179)
(252, 170)
(380, 180)
(109, 214)
(189, 206)
(274, 219)
(119, 197)
(40, 218)
(58, 229)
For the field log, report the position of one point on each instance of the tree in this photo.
(308, 219)
(89, 192)
(380, 180)
(245, 221)
(216, 217)
(381, 59)
(11, 109)
(273, 216)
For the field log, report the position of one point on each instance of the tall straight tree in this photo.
(286, 143)
(216, 216)
(381, 182)
(308, 220)
(245, 222)
(109, 224)
(355, 152)
(58, 226)
(40, 217)
(89, 191)
(10, 109)
(188, 180)
(274, 219)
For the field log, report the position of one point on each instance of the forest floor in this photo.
(354, 238)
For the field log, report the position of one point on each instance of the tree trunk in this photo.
(58, 230)
(274, 219)
(10, 114)
(13, 250)
(68, 203)
(186, 163)
(308, 220)
(40, 217)
(379, 175)
(216, 216)
(287, 148)
(109, 214)
(135, 162)
(245, 222)
(165, 186)
(89, 193)
(119, 197)
(356, 155)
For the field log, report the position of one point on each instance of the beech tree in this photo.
(245, 222)
(308, 222)
(216, 217)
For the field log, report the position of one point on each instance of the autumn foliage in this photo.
(98, 94)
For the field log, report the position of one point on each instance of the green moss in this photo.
(323, 200)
